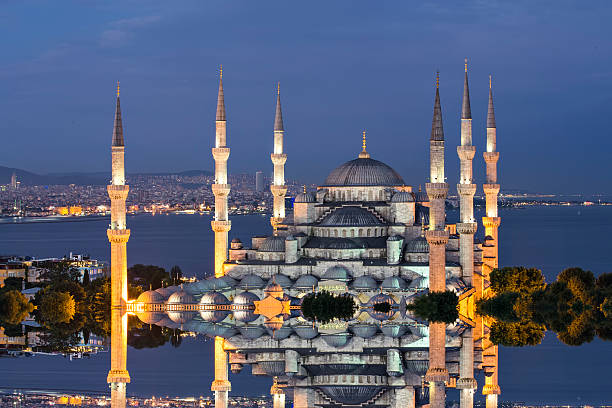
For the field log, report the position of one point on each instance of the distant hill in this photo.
(27, 178)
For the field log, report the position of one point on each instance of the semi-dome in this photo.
(305, 198)
(150, 296)
(306, 282)
(350, 217)
(418, 245)
(363, 172)
(273, 244)
(336, 340)
(251, 281)
(394, 330)
(252, 332)
(402, 197)
(282, 280)
(280, 333)
(337, 272)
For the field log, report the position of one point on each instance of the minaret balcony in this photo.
(490, 157)
(278, 159)
(466, 189)
(278, 191)
(118, 376)
(491, 189)
(491, 222)
(118, 236)
(221, 190)
(221, 226)
(467, 228)
(221, 153)
(436, 237)
(466, 152)
(436, 191)
(118, 192)
(467, 384)
(491, 389)
(221, 385)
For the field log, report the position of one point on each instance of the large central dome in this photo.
(363, 172)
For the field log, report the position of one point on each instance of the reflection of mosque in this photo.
(364, 232)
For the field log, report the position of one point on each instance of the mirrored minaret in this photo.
(118, 236)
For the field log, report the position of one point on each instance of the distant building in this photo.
(14, 182)
(259, 181)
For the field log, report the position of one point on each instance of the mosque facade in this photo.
(365, 232)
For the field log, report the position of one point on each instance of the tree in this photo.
(147, 276)
(86, 278)
(438, 307)
(325, 307)
(176, 274)
(500, 307)
(14, 307)
(516, 334)
(517, 279)
(383, 307)
(57, 307)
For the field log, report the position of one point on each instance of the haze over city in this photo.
(343, 67)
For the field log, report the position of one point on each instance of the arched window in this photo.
(360, 232)
(335, 232)
(344, 233)
(352, 233)
(371, 254)
(369, 232)
(370, 195)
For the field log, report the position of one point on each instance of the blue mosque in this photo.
(365, 232)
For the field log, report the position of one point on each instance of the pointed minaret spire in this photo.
(466, 111)
(220, 98)
(491, 112)
(437, 132)
(278, 119)
(118, 128)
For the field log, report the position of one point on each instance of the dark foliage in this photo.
(325, 307)
(148, 276)
(383, 307)
(438, 307)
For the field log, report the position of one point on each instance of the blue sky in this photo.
(343, 66)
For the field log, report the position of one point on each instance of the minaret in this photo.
(278, 187)
(466, 229)
(491, 223)
(437, 237)
(118, 236)
(221, 224)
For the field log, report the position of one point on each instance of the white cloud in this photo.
(121, 31)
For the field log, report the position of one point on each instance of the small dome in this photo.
(244, 314)
(221, 330)
(364, 283)
(280, 333)
(251, 282)
(181, 297)
(252, 332)
(402, 197)
(236, 241)
(274, 290)
(150, 317)
(306, 332)
(306, 282)
(351, 395)
(418, 245)
(394, 283)
(340, 243)
(421, 196)
(282, 280)
(418, 367)
(394, 330)
(214, 299)
(305, 198)
(365, 331)
(337, 272)
(336, 340)
(222, 283)
(380, 298)
(363, 172)
(166, 292)
(150, 296)
(350, 217)
(180, 317)
(273, 244)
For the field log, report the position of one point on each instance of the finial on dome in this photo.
(304, 188)
(364, 154)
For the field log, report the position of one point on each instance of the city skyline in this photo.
(540, 68)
